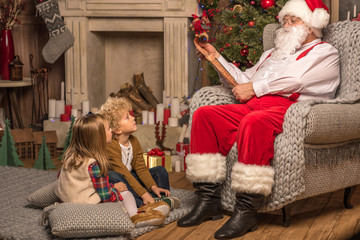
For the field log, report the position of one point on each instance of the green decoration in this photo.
(68, 137)
(8, 154)
(44, 159)
(208, 4)
(237, 29)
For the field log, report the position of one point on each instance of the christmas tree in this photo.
(236, 30)
(44, 159)
(68, 137)
(7, 150)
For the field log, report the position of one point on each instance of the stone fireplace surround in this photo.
(96, 65)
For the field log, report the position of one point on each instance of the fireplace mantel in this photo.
(85, 60)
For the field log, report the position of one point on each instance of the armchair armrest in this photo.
(332, 123)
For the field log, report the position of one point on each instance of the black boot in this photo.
(208, 206)
(244, 218)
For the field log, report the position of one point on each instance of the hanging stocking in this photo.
(61, 39)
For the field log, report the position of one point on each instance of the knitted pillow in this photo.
(73, 220)
(44, 196)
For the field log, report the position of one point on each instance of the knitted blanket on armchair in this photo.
(289, 160)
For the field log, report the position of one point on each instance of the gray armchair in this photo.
(319, 149)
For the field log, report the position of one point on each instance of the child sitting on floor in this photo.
(126, 157)
(83, 177)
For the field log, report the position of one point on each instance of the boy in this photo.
(126, 157)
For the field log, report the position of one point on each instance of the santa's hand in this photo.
(199, 54)
(206, 50)
(243, 92)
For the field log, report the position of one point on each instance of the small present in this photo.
(183, 149)
(156, 157)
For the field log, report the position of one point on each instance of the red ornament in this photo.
(244, 52)
(251, 23)
(357, 18)
(196, 25)
(252, 3)
(265, 4)
(236, 64)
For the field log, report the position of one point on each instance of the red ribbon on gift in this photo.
(156, 152)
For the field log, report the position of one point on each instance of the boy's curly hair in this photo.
(114, 109)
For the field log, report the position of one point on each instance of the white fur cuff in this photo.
(208, 167)
(252, 179)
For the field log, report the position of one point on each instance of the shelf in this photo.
(7, 83)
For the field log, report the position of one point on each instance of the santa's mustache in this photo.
(288, 40)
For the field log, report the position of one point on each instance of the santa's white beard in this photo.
(288, 40)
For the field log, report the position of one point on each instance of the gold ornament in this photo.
(238, 8)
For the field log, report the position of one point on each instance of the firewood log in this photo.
(129, 91)
(145, 90)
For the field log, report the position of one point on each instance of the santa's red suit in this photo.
(311, 72)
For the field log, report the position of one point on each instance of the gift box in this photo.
(183, 149)
(155, 157)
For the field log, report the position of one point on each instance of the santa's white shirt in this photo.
(314, 76)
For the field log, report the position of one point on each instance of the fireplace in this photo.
(116, 38)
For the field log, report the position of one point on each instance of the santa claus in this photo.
(300, 67)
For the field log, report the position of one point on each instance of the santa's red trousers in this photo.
(253, 125)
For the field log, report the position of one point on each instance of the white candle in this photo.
(74, 112)
(85, 107)
(59, 108)
(160, 113)
(51, 110)
(173, 122)
(178, 166)
(355, 11)
(174, 159)
(145, 117)
(62, 90)
(348, 15)
(151, 117)
(175, 107)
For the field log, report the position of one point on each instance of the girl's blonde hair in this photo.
(88, 141)
(114, 109)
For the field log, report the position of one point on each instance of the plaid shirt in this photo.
(102, 186)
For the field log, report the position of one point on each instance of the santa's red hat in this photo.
(313, 13)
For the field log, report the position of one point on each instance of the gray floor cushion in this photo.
(19, 220)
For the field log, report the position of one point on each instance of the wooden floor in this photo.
(321, 217)
(316, 218)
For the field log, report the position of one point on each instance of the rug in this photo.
(19, 221)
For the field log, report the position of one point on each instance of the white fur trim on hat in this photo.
(319, 18)
(208, 167)
(252, 179)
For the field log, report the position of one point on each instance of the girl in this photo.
(83, 177)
